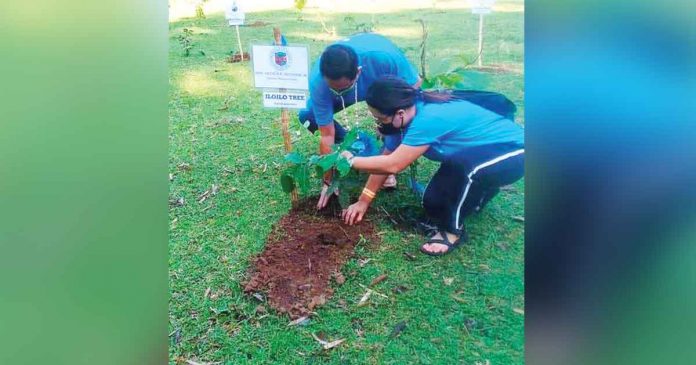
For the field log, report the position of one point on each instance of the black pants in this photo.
(463, 185)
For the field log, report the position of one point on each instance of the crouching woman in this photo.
(479, 151)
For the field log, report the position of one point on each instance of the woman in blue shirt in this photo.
(479, 151)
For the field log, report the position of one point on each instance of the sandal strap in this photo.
(444, 241)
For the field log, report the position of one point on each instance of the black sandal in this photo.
(451, 246)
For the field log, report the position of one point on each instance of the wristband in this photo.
(369, 193)
(350, 160)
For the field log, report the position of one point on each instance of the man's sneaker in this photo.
(390, 182)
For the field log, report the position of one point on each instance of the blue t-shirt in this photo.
(378, 57)
(452, 128)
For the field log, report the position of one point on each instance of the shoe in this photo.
(390, 182)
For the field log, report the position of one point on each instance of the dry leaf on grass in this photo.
(518, 310)
(364, 298)
(458, 298)
(203, 196)
(363, 262)
(378, 279)
(301, 321)
(328, 345)
(448, 281)
(259, 297)
(518, 219)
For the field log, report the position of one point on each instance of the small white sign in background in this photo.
(481, 6)
(234, 15)
(291, 99)
(280, 67)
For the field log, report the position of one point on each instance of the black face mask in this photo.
(388, 129)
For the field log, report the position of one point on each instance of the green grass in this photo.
(241, 151)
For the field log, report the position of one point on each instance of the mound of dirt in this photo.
(304, 251)
(237, 58)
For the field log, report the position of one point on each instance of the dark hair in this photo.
(391, 93)
(339, 61)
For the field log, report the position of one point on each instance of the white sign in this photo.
(293, 99)
(234, 15)
(481, 6)
(280, 67)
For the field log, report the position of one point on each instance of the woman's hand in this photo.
(355, 212)
(347, 154)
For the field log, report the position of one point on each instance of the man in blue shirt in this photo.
(341, 78)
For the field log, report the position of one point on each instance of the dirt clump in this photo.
(303, 252)
(236, 57)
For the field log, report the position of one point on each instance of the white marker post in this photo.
(235, 16)
(282, 72)
(481, 7)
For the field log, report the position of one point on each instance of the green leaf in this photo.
(313, 159)
(333, 187)
(343, 166)
(294, 157)
(326, 162)
(287, 183)
(320, 172)
(348, 139)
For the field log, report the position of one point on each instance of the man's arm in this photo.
(328, 137)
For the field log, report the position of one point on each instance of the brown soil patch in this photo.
(258, 23)
(304, 251)
(236, 58)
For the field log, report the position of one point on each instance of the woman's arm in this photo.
(355, 212)
(388, 164)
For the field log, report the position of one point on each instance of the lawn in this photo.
(466, 307)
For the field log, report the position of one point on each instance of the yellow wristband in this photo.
(369, 193)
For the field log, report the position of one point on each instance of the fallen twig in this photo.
(389, 216)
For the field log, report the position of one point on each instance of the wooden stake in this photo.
(480, 45)
(284, 118)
